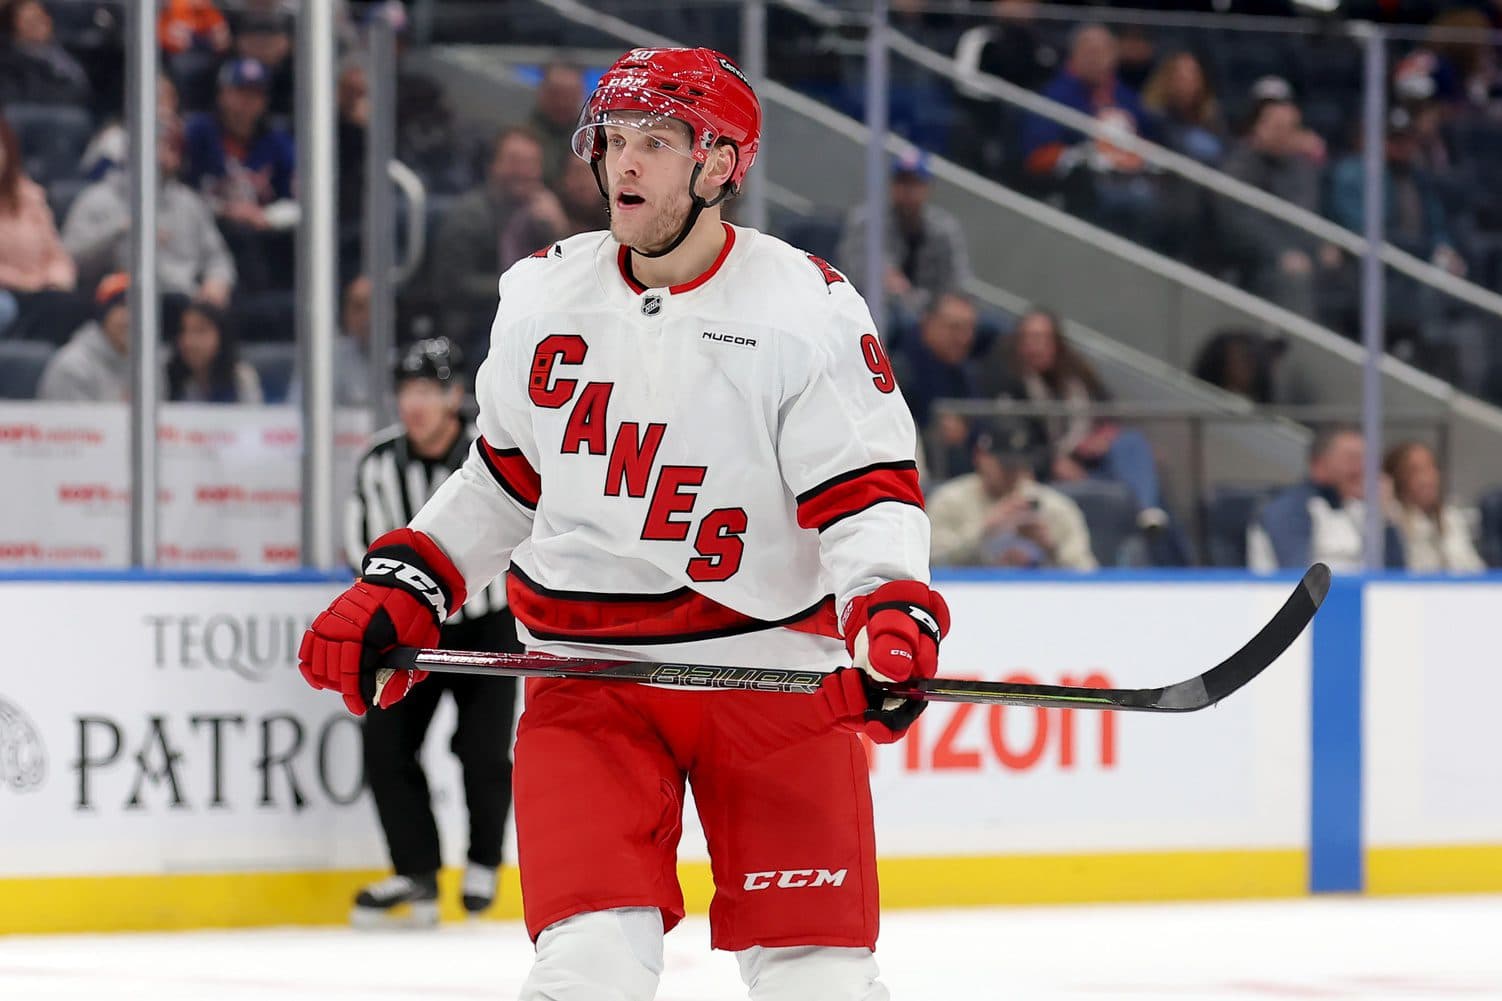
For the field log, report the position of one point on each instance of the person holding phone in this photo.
(1000, 515)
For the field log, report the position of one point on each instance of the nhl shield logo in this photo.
(651, 305)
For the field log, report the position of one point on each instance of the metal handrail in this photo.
(1313, 413)
(405, 178)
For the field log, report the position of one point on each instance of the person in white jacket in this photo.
(1436, 536)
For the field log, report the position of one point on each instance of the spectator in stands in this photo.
(34, 266)
(926, 252)
(1449, 68)
(244, 167)
(427, 135)
(490, 228)
(1434, 152)
(107, 150)
(263, 32)
(1189, 122)
(938, 367)
(560, 96)
(1276, 260)
(1137, 56)
(1189, 117)
(1415, 222)
(1013, 47)
(187, 25)
(1320, 519)
(1000, 515)
(352, 99)
(1436, 537)
(1047, 369)
(351, 350)
(580, 194)
(205, 364)
(94, 366)
(33, 67)
(1241, 362)
(194, 37)
(1097, 179)
(192, 258)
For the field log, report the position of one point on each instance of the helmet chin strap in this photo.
(699, 205)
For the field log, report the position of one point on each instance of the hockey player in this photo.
(692, 449)
(392, 482)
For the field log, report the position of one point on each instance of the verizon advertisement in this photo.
(165, 728)
(1431, 689)
(1002, 780)
(229, 484)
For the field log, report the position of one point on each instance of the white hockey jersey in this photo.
(706, 472)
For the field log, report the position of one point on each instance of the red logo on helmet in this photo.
(700, 87)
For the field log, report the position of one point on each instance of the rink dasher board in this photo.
(228, 484)
(1029, 805)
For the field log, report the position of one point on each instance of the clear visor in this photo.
(633, 114)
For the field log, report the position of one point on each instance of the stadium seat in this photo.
(1228, 512)
(1110, 511)
(1491, 527)
(52, 138)
(817, 234)
(21, 365)
(61, 194)
(265, 316)
(274, 362)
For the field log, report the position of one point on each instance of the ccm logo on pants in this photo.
(793, 879)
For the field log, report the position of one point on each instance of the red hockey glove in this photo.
(893, 633)
(405, 590)
(857, 703)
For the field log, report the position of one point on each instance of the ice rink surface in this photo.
(1369, 949)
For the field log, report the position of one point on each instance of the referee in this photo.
(394, 479)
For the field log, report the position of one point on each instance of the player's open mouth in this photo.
(628, 199)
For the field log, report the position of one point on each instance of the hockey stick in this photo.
(1186, 696)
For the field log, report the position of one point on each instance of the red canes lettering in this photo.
(631, 459)
(544, 390)
(669, 498)
(586, 422)
(719, 545)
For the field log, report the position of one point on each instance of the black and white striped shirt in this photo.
(391, 484)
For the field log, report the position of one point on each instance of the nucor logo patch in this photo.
(794, 879)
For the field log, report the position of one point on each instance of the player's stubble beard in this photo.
(656, 232)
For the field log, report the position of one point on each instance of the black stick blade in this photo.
(1205, 689)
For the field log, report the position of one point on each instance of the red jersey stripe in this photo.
(513, 472)
(853, 492)
(679, 616)
(623, 263)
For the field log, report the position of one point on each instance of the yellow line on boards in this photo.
(1435, 869)
(44, 905)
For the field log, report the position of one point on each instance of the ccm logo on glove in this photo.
(420, 583)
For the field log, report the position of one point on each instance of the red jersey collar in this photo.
(623, 263)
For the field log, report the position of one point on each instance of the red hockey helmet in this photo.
(703, 88)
